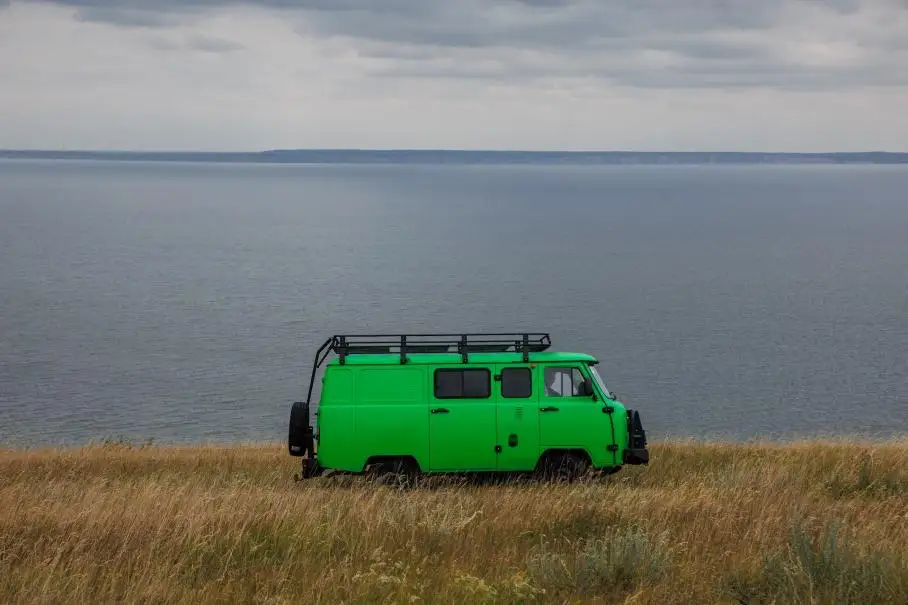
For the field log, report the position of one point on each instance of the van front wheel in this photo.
(563, 466)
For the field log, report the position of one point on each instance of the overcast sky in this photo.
(765, 75)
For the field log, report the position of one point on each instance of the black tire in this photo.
(564, 467)
(401, 473)
(299, 436)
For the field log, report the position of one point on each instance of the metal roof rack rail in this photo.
(404, 344)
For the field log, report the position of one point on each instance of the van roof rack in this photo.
(403, 344)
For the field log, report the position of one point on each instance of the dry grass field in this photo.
(806, 522)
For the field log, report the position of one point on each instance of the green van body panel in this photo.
(338, 413)
(518, 425)
(373, 406)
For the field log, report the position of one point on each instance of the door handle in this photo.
(548, 409)
(440, 410)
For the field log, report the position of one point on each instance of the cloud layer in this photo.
(474, 55)
(647, 43)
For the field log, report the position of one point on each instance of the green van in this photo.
(455, 403)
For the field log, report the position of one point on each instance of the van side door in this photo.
(568, 419)
(518, 417)
(461, 419)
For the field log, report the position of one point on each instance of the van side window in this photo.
(562, 382)
(516, 383)
(463, 384)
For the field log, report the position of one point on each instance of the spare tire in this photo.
(299, 439)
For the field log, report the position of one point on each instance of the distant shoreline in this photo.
(403, 156)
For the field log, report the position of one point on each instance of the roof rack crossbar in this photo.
(464, 344)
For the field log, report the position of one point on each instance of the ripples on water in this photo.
(183, 302)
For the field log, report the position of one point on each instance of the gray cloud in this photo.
(197, 42)
(476, 22)
(127, 17)
(790, 44)
(211, 44)
(580, 24)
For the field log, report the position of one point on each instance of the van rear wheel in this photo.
(399, 472)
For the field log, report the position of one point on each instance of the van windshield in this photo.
(599, 381)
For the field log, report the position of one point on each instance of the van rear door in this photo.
(518, 417)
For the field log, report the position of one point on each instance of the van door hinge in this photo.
(608, 409)
(497, 449)
(612, 448)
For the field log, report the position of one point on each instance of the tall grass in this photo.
(808, 522)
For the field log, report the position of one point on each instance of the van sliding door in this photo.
(462, 419)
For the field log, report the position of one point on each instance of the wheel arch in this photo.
(407, 459)
(553, 452)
